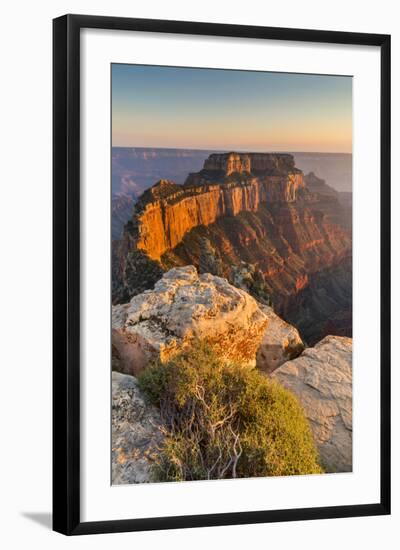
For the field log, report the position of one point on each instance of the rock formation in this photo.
(254, 208)
(185, 306)
(280, 343)
(167, 212)
(136, 432)
(228, 163)
(322, 380)
(252, 163)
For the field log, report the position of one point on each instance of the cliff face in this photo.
(256, 209)
(267, 163)
(228, 163)
(167, 212)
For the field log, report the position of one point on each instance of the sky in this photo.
(177, 107)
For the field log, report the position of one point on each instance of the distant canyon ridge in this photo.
(253, 218)
(135, 169)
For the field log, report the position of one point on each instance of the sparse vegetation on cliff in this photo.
(250, 278)
(140, 274)
(209, 259)
(226, 420)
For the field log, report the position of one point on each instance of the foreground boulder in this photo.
(322, 380)
(281, 342)
(183, 307)
(136, 432)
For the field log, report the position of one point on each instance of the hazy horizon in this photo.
(223, 110)
(233, 150)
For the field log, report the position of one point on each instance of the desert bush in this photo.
(226, 420)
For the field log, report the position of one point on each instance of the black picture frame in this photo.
(66, 273)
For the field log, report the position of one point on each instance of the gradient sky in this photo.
(230, 110)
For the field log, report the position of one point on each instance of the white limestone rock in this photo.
(281, 342)
(136, 432)
(183, 307)
(322, 380)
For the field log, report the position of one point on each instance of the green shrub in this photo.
(226, 420)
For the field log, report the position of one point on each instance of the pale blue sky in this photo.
(220, 109)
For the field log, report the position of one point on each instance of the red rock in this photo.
(258, 209)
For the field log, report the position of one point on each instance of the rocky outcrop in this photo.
(228, 163)
(322, 380)
(281, 342)
(136, 432)
(266, 163)
(183, 307)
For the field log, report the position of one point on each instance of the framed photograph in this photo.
(221, 274)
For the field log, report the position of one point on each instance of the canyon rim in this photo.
(231, 295)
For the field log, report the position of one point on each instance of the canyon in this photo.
(121, 211)
(290, 235)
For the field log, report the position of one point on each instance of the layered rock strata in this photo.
(167, 212)
(252, 163)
